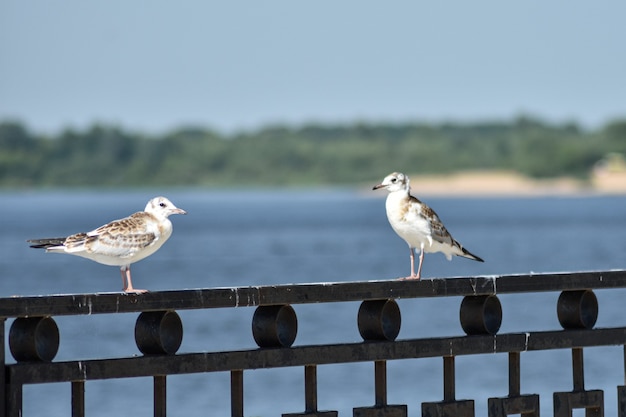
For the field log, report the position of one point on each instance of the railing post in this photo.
(380, 408)
(78, 398)
(3, 388)
(448, 379)
(160, 396)
(578, 310)
(514, 374)
(578, 369)
(310, 396)
(379, 320)
(515, 402)
(236, 393)
(621, 391)
(310, 388)
(380, 383)
(449, 406)
(14, 399)
(31, 339)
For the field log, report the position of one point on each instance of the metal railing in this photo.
(34, 340)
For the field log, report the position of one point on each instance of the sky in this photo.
(158, 65)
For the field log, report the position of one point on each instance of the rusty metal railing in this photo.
(34, 340)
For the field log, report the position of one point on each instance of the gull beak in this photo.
(178, 211)
(376, 187)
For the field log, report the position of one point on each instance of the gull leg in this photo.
(122, 270)
(413, 274)
(127, 281)
(419, 268)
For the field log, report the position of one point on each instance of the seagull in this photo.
(417, 223)
(120, 242)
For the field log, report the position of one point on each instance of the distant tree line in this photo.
(305, 155)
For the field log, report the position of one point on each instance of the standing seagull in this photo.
(120, 242)
(417, 223)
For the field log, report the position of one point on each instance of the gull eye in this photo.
(163, 205)
(394, 180)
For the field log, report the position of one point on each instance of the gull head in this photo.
(396, 181)
(162, 207)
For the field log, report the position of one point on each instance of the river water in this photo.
(264, 237)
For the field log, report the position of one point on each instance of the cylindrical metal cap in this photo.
(379, 320)
(481, 314)
(274, 326)
(158, 332)
(577, 309)
(34, 339)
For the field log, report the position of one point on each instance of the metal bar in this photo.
(110, 303)
(578, 369)
(621, 390)
(310, 388)
(514, 374)
(448, 379)
(14, 399)
(160, 396)
(522, 405)
(43, 372)
(592, 401)
(380, 382)
(621, 401)
(3, 391)
(78, 398)
(236, 393)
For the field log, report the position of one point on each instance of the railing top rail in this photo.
(108, 303)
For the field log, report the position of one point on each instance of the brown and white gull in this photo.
(418, 224)
(121, 242)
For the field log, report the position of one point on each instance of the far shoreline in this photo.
(511, 184)
(460, 184)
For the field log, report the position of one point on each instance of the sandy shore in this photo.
(506, 183)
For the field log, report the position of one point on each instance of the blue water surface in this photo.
(265, 237)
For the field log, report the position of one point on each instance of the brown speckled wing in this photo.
(121, 237)
(439, 233)
(76, 241)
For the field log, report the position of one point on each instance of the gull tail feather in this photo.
(46, 242)
(467, 254)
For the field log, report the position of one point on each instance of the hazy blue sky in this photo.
(156, 65)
